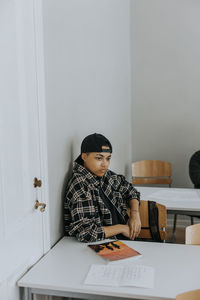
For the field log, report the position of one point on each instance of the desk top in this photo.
(173, 198)
(64, 268)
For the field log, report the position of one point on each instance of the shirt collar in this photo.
(88, 175)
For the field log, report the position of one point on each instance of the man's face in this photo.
(97, 162)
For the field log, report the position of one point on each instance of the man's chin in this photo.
(100, 174)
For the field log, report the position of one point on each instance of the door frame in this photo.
(42, 130)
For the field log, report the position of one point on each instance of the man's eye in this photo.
(98, 158)
(108, 158)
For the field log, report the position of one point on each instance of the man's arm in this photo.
(134, 205)
(132, 198)
(80, 211)
(134, 221)
(116, 229)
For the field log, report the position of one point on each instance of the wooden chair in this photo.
(192, 235)
(144, 216)
(145, 232)
(151, 172)
(191, 295)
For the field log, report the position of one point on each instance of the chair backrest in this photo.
(191, 295)
(151, 172)
(144, 216)
(192, 235)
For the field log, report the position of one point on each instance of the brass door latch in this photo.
(37, 204)
(37, 183)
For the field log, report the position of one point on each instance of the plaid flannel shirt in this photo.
(85, 213)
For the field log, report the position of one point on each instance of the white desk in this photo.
(181, 201)
(62, 272)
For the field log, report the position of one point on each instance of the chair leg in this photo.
(192, 220)
(174, 229)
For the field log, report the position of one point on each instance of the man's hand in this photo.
(125, 230)
(134, 224)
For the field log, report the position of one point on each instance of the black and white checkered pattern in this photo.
(85, 213)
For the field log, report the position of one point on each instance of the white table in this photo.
(63, 270)
(176, 200)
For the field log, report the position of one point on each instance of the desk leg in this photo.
(27, 294)
(174, 229)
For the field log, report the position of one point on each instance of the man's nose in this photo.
(105, 163)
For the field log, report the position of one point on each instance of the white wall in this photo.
(165, 82)
(87, 67)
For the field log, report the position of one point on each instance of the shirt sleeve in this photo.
(127, 190)
(85, 224)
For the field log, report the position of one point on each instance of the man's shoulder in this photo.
(76, 178)
(76, 187)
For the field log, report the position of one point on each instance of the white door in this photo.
(21, 225)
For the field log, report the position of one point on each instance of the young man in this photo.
(97, 199)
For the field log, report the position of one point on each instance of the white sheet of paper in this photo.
(138, 275)
(118, 275)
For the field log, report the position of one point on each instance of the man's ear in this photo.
(83, 156)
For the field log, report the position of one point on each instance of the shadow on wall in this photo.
(65, 182)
